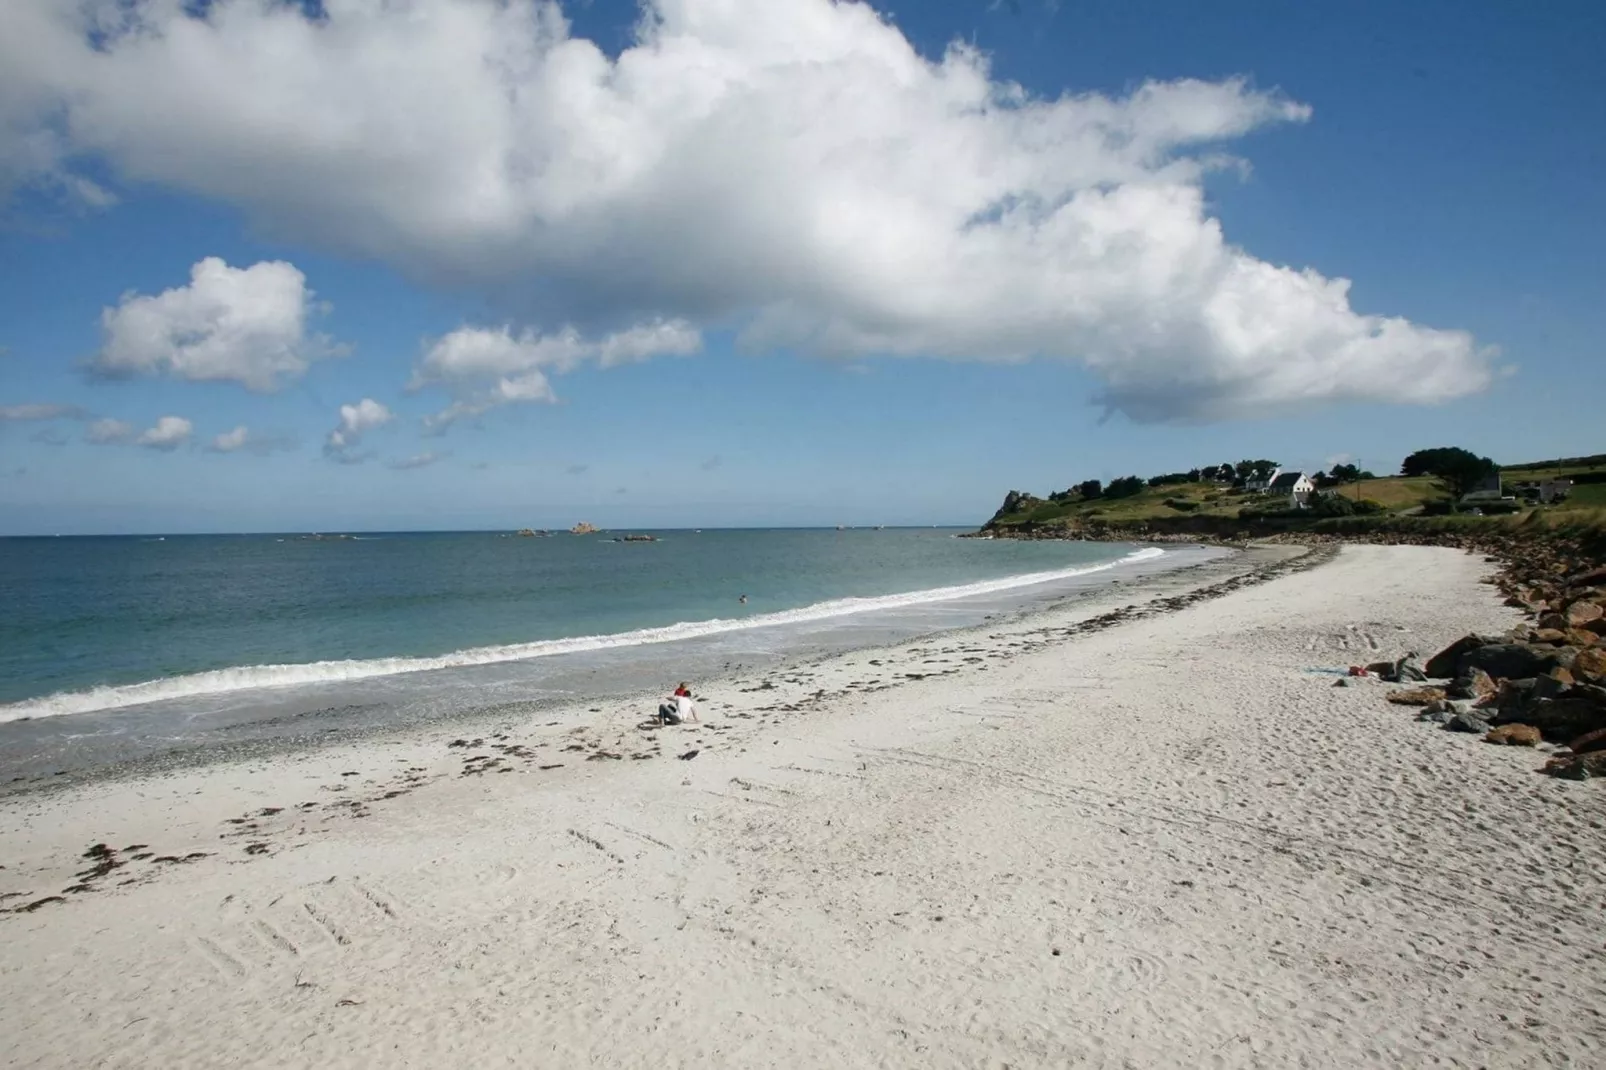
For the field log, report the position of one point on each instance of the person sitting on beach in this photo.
(679, 708)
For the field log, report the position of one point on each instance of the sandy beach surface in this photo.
(1097, 836)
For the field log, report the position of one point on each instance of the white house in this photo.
(1297, 485)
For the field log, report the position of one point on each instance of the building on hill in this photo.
(1257, 485)
(1297, 485)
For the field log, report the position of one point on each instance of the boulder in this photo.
(1408, 670)
(1445, 664)
(1416, 696)
(1511, 661)
(1576, 712)
(1547, 636)
(1514, 735)
(1478, 685)
(1468, 721)
(1578, 766)
(1590, 665)
(1591, 578)
(1553, 622)
(1588, 742)
(1581, 613)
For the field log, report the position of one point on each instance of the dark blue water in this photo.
(97, 624)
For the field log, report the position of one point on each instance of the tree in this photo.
(1124, 487)
(1261, 469)
(1090, 489)
(1345, 473)
(1195, 475)
(1458, 471)
(1323, 480)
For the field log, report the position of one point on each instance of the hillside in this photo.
(1168, 505)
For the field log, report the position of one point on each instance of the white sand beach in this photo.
(1165, 842)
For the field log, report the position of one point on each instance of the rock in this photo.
(1380, 668)
(1582, 638)
(1510, 661)
(1581, 613)
(1514, 735)
(1578, 766)
(1479, 685)
(1590, 665)
(1342, 681)
(1579, 711)
(1590, 578)
(1416, 696)
(1437, 714)
(1588, 742)
(1408, 671)
(1548, 636)
(1553, 622)
(1467, 722)
(1445, 664)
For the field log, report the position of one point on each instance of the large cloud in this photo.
(793, 168)
(247, 325)
(487, 367)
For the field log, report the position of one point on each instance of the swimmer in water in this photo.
(742, 600)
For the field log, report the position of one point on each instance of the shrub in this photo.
(1182, 504)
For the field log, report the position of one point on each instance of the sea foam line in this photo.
(244, 677)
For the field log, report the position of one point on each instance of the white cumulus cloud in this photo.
(794, 169)
(170, 433)
(166, 435)
(245, 325)
(355, 421)
(488, 367)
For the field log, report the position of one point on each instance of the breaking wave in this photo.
(245, 677)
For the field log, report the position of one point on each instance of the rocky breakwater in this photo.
(1544, 681)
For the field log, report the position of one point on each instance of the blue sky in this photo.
(1124, 299)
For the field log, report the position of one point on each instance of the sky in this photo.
(459, 264)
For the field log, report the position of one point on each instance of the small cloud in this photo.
(19, 413)
(169, 434)
(712, 463)
(355, 421)
(620, 490)
(420, 460)
(480, 466)
(578, 469)
(1339, 458)
(241, 440)
(49, 436)
(856, 369)
(109, 432)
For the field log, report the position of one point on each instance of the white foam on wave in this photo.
(244, 677)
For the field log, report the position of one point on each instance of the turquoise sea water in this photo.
(113, 634)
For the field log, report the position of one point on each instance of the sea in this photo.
(114, 649)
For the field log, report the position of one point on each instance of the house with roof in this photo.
(1297, 485)
(1258, 484)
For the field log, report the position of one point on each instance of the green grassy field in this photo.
(1399, 495)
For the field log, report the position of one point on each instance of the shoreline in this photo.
(224, 750)
(1144, 829)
